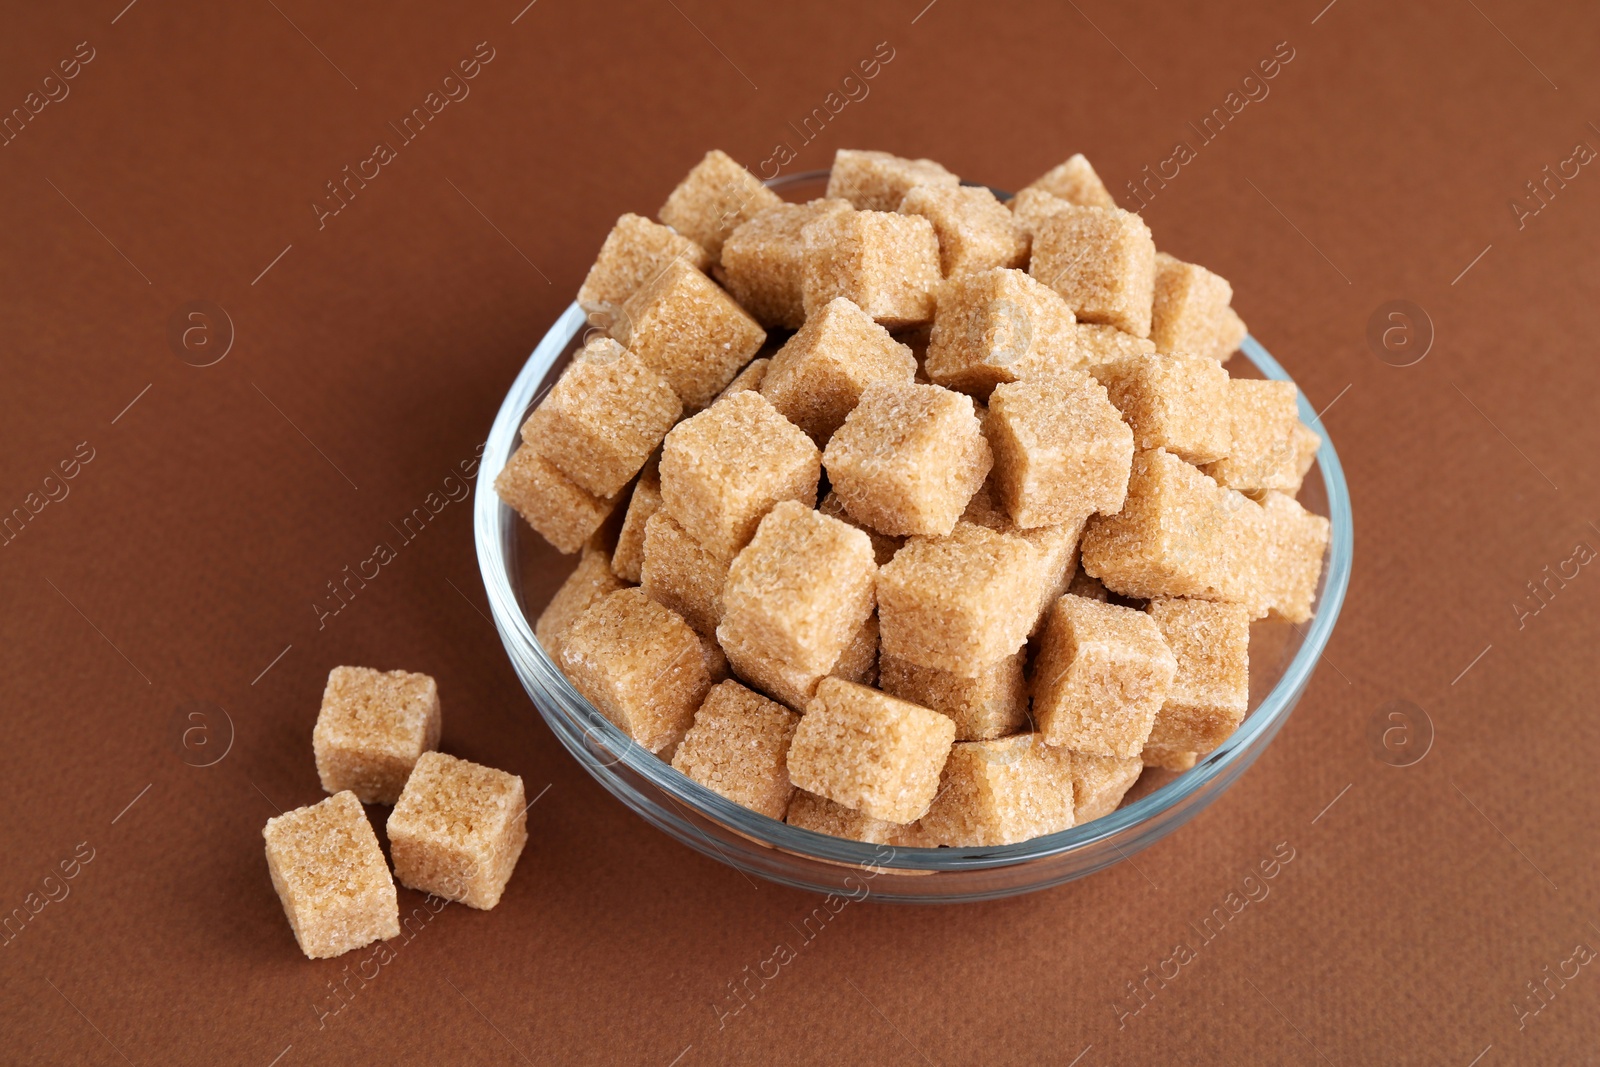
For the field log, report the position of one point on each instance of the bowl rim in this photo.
(495, 523)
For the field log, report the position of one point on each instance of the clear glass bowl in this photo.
(1282, 660)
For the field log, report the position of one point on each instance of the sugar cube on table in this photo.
(1101, 675)
(1061, 449)
(563, 512)
(1100, 782)
(998, 792)
(1190, 315)
(975, 230)
(884, 262)
(331, 877)
(1102, 262)
(372, 727)
(870, 751)
(1171, 402)
(1075, 182)
(763, 262)
(1261, 417)
(714, 199)
(990, 704)
(884, 546)
(996, 326)
(879, 181)
(739, 747)
(817, 377)
(640, 664)
(1210, 690)
(689, 331)
(592, 579)
(458, 830)
(821, 815)
(723, 469)
(628, 557)
(635, 251)
(681, 574)
(908, 458)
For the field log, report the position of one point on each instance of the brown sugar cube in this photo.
(958, 603)
(999, 792)
(1171, 402)
(592, 579)
(628, 557)
(1187, 316)
(790, 686)
(1295, 542)
(908, 458)
(817, 377)
(801, 589)
(886, 263)
(884, 546)
(1094, 344)
(1100, 678)
(1103, 263)
(878, 181)
(1087, 586)
(1075, 182)
(1167, 758)
(607, 412)
(739, 747)
(1061, 450)
(1100, 782)
(1232, 335)
(331, 877)
(859, 661)
(371, 728)
(1031, 207)
(716, 660)
(680, 574)
(763, 262)
(992, 704)
(635, 251)
(1304, 443)
(714, 199)
(640, 664)
(998, 326)
(869, 751)
(725, 468)
(564, 513)
(1261, 418)
(821, 815)
(975, 230)
(690, 332)
(748, 380)
(1057, 545)
(1211, 689)
(458, 830)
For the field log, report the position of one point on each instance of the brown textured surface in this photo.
(1414, 910)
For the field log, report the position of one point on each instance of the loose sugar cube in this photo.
(331, 878)
(883, 545)
(748, 380)
(628, 557)
(869, 751)
(1188, 317)
(1094, 344)
(908, 458)
(817, 377)
(998, 326)
(878, 181)
(605, 415)
(636, 250)
(1295, 541)
(1100, 782)
(1167, 758)
(563, 512)
(716, 197)
(739, 747)
(1261, 418)
(592, 579)
(959, 603)
(725, 468)
(1232, 335)
(690, 332)
(859, 661)
(821, 815)
(1101, 676)
(801, 589)
(886, 263)
(999, 793)
(1075, 182)
(458, 830)
(1211, 689)
(1171, 402)
(763, 262)
(1031, 207)
(975, 230)
(1061, 450)
(992, 704)
(372, 727)
(679, 573)
(1102, 262)
(640, 665)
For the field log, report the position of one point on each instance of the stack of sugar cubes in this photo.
(971, 539)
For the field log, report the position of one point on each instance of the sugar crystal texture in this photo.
(886, 263)
(817, 377)
(763, 262)
(998, 792)
(1061, 449)
(690, 332)
(628, 557)
(1102, 262)
(1031, 207)
(1190, 313)
(681, 574)
(371, 728)
(1171, 402)
(821, 815)
(458, 830)
(1234, 331)
(869, 751)
(1101, 676)
(739, 747)
(908, 458)
(991, 704)
(640, 664)
(1087, 586)
(1167, 758)
(884, 546)
(748, 380)
(1075, 182)
(1262, 450)
(714, 199)
(592, 579)
(1211, 688)
(635, 251)
(331, 877)
(1093, 344)
(1057, 545)
(879, 181)
(1294, 543)
(1304, 443)
(789, 685)
(859, 661)
(997, 326)
(1100, 782)
(975, 230)
(563, 512)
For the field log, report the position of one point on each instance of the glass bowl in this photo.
(1282, 660)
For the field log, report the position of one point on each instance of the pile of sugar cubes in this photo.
(975, 542)
(456, 830)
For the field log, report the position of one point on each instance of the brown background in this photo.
(367, 363)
